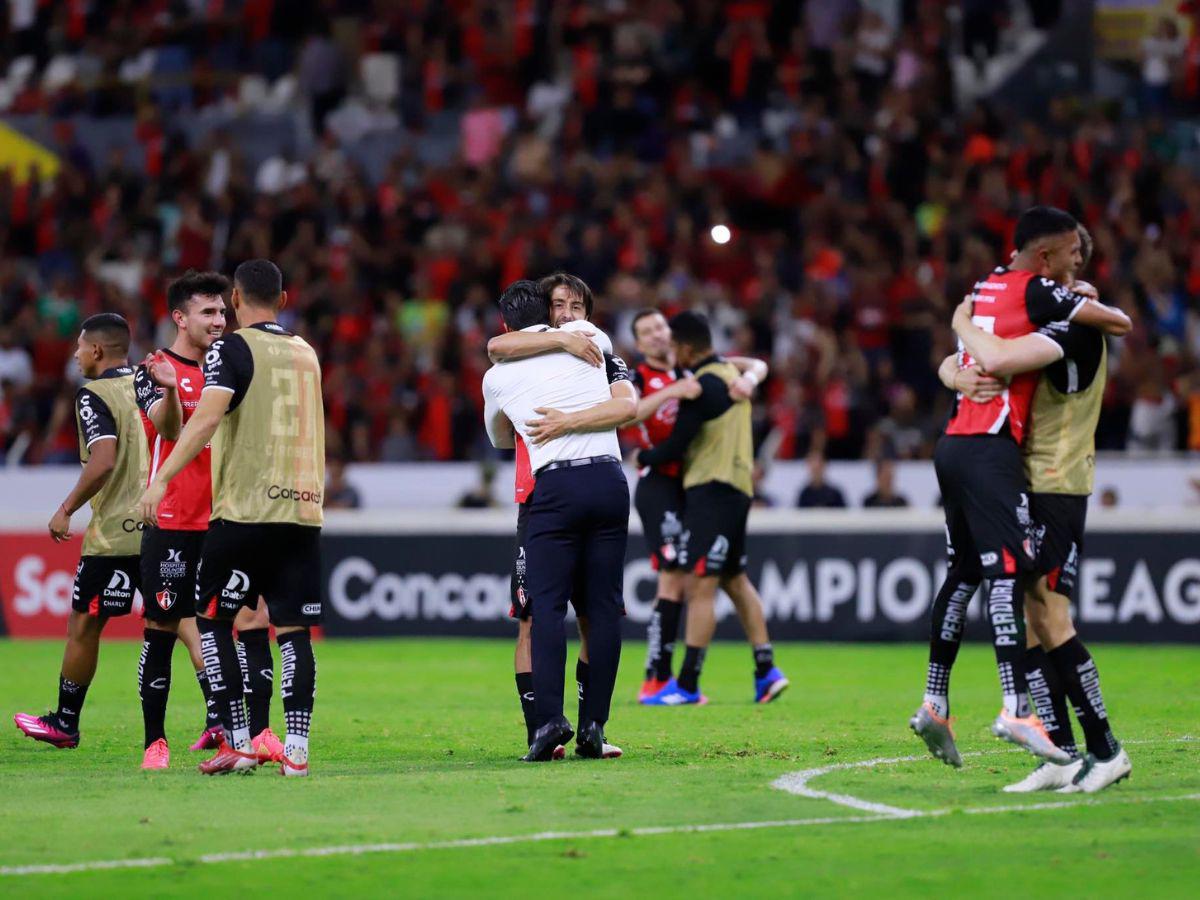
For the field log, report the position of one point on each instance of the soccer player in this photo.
(261, 408)
(570, 300)
(1059, 462)
(980, 473)
(168, 386)
(659, 495)
(114, 457)
(712, 439)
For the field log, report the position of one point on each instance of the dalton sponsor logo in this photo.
(237, 586)
(277, 492)
(119, 586)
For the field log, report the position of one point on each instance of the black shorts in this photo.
(280, 561)
(1059, 520)
(714, 529)
(520, 607)
(105, 585)
(989, 529)
(169, 560)
(659, 502)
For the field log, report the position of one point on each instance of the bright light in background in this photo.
(721, 234)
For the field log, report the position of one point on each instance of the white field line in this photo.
(794, 783)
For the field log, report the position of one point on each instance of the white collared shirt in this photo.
(513, 390)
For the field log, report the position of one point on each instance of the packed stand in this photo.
(602, 140)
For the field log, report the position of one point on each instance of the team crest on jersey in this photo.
(166, 598)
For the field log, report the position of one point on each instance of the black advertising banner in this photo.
(854, 586)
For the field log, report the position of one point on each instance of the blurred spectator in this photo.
(1161, 53)
(481, 496)
(885, 495)
(817, 494)
(339, 493)
(404, 165)
(1109, 498)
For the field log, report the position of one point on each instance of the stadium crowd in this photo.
(606, 140)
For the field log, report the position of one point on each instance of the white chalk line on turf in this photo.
(794, 782)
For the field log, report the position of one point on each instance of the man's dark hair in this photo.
(524, 303)
(194, 284)
(259, 281)
(1042, 221)
(691, 328)
(1086, 247)
(642, 314)
(574, 284)
(108, 329)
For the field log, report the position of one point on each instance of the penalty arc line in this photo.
(796, 780)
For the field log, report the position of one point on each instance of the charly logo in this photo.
(719, 549)
(237, 586)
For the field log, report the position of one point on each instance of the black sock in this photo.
(70, 703)
(1007, 619)
(525, 693)
(258, 676)
(224, 679)
(154, 681)
(660, 638)
(581, 685)
(298, 690)
(764, 659)
(1049, 699)
(1081, 680)
(945, 637)
(689, 672)
(211, 719)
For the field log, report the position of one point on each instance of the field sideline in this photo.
(414, 755)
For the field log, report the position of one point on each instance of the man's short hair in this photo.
(642, 314)
(1042, 221)
(1086, 246)
(194, 284)
(691, 329)
(574, 284)
(110, 330)
(523, 304)
(260, 282)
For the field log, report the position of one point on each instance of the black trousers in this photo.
(578, 523)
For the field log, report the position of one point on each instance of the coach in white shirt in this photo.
(578, 514)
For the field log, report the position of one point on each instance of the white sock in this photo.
(295, 748)
(1012, 706)
(940, 704)
(240, 739)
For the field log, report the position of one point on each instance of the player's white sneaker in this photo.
(1096, 775)
(1030, 734)
(610, 751)
(1046, 777)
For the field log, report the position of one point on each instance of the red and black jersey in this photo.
(188, 502)
(524, 480)
(649, 379)
(1010, 304)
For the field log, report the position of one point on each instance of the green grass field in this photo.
(416, 744)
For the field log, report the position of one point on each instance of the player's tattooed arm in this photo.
(970, 382)
(1001, 356)
(521, 344)
(195, 437)
(601, 417)
(753, 373)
